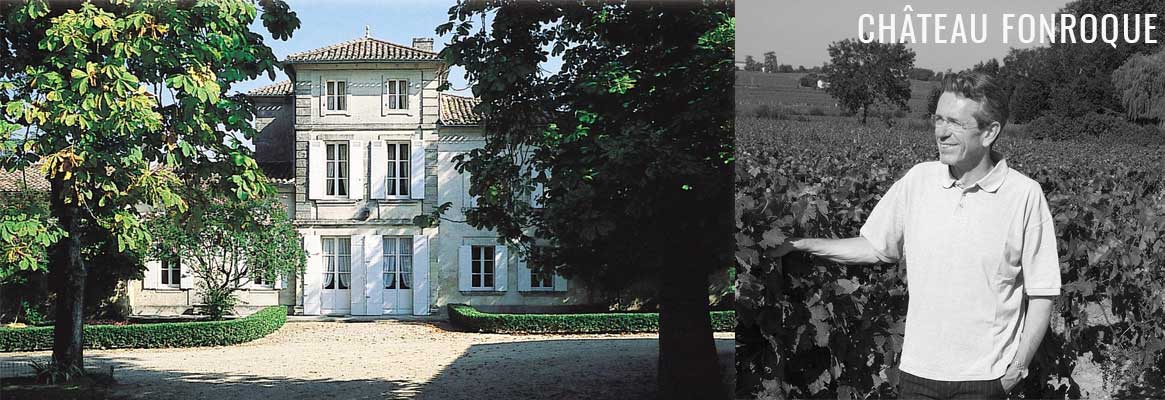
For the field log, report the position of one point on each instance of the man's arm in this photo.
(1035, 325)
(855, 251)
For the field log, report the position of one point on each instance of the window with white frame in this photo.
(397, 181)
(398, 94)
(337, 169)
(171, 272)
(337, 262)
(262, 282)
(336, 93)
(541, 280)
(481, 272)
(398, 262)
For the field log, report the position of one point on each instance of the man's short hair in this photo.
(981, 88)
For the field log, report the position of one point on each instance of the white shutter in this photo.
(463, 268)
(420, 275)
(348, 95)
(323, 96)
(536, 194)
(501, 265)
(356, 269)
(312, 276)
(374, 275)
(316, 169)
(417, 170)
(152, 275)
(356, 169)
(187, 279)
(408, 96)
(280, 282)
(559, 283)
(523, 276)
(383, 98)
(378, 171)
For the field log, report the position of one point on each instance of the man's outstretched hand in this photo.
(780, 251)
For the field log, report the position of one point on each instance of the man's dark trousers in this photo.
(915, 387)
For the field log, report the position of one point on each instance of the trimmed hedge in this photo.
(166, 334)
(470, 319)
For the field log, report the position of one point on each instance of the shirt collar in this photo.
(990, 182)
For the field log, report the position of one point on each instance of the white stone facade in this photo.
(344, 183)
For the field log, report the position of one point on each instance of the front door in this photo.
(398, 275)
(336, 296)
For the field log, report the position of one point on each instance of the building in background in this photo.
(359, 143)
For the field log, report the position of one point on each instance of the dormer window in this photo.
(336, 93)
(397, 94)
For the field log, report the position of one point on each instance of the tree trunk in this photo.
(67, 279)
(864, 110)
(688, 364)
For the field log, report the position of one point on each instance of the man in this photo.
(980, 252)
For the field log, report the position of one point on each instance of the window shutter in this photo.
(358, 281)
(408, 92)
(348, 95)
(323, 97)
(280, 282)
(374, 274)
(316, 169)
(312, 279)
(417, 170)
(523, 276)
(378, 170)
(383, 98)
(536, 194)
(463, 260)
(559, 283)
(153, 275)
(501, 265)
(420, 275)
(186, 281)
(356, 170)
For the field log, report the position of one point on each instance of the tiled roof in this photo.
(362, 49)
(277, 89)
(457, 110)
(14, 181)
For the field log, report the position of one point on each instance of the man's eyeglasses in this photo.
(940, 122)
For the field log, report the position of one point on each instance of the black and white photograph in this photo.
(950, 200)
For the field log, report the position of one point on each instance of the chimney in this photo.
(425, 44)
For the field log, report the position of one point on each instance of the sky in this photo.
(327, 22)
(800, 30)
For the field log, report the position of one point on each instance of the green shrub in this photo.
(468, 318)
(217, 301)
(169, 334)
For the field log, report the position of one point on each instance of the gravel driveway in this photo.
(395, 359)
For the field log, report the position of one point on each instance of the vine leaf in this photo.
(772, 238)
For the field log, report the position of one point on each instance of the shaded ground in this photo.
(395, 359)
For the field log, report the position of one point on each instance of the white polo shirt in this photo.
(971, 253)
